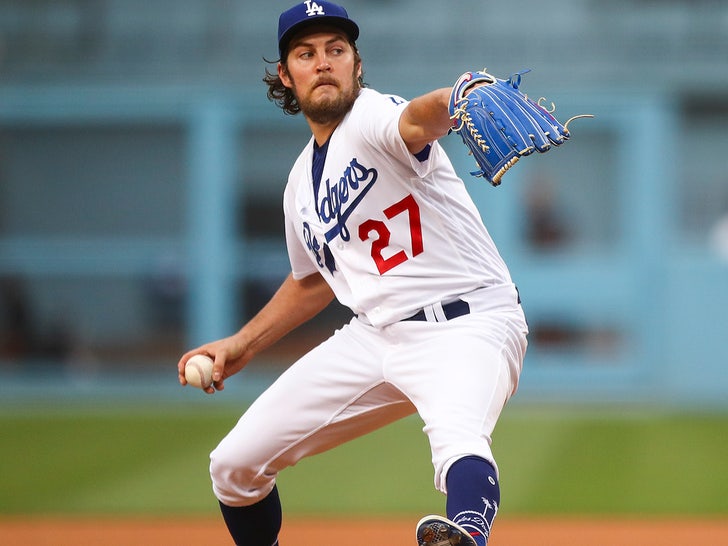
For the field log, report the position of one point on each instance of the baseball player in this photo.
(376, 217)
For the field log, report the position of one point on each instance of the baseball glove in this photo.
(499, 124)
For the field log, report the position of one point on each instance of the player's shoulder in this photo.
(373, 108)
(372, 96)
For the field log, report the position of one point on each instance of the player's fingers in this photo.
(218, 370)
(181, 370)
(212, 389)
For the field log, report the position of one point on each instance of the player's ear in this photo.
(284, 76)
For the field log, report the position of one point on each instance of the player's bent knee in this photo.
(236, 483)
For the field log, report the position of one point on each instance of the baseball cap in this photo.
(312, 12)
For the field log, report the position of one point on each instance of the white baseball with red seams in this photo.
(198, 371)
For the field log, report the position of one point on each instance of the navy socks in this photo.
(255, 525)
(473, 496)
(472, 502)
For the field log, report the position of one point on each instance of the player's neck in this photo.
(322, 132)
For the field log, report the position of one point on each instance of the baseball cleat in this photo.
(439, 531)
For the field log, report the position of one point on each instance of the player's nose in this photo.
(323, 65)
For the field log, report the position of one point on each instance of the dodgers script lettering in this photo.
(330, 207)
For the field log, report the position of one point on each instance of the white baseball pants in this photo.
(457, 375)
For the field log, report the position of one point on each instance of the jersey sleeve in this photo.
(380, 126)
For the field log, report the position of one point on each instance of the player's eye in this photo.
(337, 51)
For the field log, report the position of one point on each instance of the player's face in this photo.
(323, 72)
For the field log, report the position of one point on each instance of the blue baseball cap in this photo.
(312, 12)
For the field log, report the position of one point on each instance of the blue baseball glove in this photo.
(499, 124)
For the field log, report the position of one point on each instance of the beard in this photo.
(328, 109)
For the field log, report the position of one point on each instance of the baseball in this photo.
(198, 371)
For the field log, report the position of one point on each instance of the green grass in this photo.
(136, 460)
(123, 460)
(576, 462)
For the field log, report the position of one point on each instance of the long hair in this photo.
(282, 95)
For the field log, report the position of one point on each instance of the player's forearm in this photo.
(295, 302)
(425, 119)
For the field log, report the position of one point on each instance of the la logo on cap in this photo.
(307, 12)
(312, 8)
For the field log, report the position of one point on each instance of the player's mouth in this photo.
(324, 82)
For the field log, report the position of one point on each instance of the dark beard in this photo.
(328, 111)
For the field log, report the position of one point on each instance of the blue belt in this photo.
(452, 310)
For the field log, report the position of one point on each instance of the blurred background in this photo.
(142, 170)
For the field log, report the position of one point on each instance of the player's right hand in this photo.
(230, 355)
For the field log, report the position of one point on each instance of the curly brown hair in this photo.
(282, 95)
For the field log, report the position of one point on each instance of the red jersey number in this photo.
(382, 235)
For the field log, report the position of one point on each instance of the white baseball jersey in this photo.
(389, 231)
